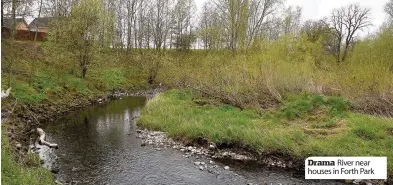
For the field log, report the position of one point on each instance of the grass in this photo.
(13, 173)
(37, 78)
(304, 126)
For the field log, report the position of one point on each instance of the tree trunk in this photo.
(345, 52)
(2, 13)
(39, 15)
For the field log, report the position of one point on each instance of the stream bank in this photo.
(302, 127)
(20, 120)
(201, 155)
(102, 145)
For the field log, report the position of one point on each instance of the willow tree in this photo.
(83, 31)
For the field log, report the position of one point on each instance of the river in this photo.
(99, 145)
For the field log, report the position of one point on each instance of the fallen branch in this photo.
(223, 99)
(41, 139)
(12, 110)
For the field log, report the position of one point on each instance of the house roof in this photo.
(8, 22)
(42, 22)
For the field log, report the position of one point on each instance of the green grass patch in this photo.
(328, 124)
(321, 110)
(316, 132)
(113, 78)
(26, 93)
(13, 173)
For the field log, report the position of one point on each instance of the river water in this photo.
(99, 145)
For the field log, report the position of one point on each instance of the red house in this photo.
(21, 28)
(41, 27)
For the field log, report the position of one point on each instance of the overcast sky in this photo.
(316, 9)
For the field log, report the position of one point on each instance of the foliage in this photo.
(82, 33)
(52, 77)
(265, 76)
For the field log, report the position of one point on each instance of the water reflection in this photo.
(92, 139)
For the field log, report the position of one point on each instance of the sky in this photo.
(317, 9)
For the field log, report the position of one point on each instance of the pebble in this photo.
(18, 146)
(226, 168)
(357, 181)
(201, 168)
(197, 163)
(211, 162)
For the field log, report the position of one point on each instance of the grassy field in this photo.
(305, 125)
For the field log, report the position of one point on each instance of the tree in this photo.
(291, 22)
(39, 15)
(160, 22)
(259, 11)
(389, 8)
(181, 24)
(132, 6)
(211, 27)
(80, 32)
(345, 23)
